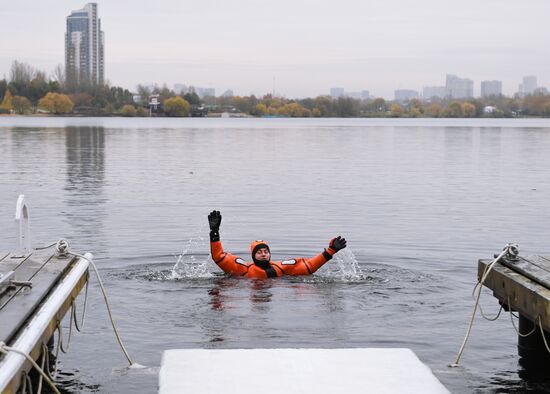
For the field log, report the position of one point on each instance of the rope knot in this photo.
(62, 247)
(512, 251)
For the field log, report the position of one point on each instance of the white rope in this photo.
(507, 249)
(542, 333)
(514, 324)
(6, 349)
(76, 324)
(62, 249)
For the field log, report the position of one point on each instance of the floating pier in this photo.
(37, 288)
(522, 284)
(36, 291)
(315, 371)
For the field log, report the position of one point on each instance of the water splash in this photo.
(192, 262)
(345, 267)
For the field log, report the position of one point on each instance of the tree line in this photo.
(29, 90)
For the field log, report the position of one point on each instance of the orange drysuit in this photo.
(236, 266)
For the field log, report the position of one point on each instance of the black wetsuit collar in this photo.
(267, 267)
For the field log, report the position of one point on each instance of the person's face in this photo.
(262, 254)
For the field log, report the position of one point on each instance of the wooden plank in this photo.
(522, 294)
(44, 271)
(534, 267)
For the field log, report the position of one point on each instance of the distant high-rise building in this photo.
(180, 88)
(429, 92)
(205, 92)
(227, 93)
(84, 47)
(491, 88)
(457, 87)
(405, 94)
(528, 85)
(362, 95)
(336, 92)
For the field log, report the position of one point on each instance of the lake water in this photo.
(419, 201)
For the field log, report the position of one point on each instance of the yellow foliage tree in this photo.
(56, 103)
(468, 110)
(435, 110)
(261, 109)
(176, 106)
(396, 109)
(7, 103)
(316, 112)
(294, 110)
(128, 110)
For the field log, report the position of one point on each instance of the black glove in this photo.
(214, 221)
(337, 243)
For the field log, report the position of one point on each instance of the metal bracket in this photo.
(22, 217)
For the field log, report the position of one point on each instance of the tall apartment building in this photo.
(491, 88)
(528, 85)
(457, 87)
(429, 92)
(84, 47)
(405, 94)
(336, 92)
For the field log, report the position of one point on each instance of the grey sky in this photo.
(307, 46)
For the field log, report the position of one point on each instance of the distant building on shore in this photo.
(528, 85)
(336, 92)
(205, 92)
(430, 92)
(362, 95)
(85, 47)
(405, 94)
(180, 88)
(458, 88)
(491, 88)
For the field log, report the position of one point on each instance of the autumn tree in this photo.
(56, 103)
(21, 105)
(294, 110)
(261, 109)
(128, 110)
(468, 110)
(435, 110)
(396, 110)
(379, 105)
(454, 110)
(176, 106)
(7, 102)
(324, 105)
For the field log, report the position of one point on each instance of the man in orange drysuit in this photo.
(262, 266)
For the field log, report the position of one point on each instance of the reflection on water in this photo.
(85, 180)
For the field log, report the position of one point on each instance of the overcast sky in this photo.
(305, 46)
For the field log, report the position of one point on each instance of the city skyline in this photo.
(300, 51)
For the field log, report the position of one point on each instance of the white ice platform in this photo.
(368, 370)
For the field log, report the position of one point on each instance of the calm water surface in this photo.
(418, 201)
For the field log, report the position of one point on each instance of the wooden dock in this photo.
(36, 291)
(522, 284)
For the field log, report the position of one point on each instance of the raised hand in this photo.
(215, 220)
(337, 243)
